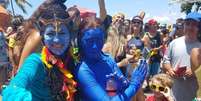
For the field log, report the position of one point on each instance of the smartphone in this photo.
(180, 71)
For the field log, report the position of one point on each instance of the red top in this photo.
(152, 98)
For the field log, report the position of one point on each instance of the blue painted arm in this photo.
(94, 92)
(16, 90)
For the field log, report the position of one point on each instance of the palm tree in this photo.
(21, 4)
(187, 7)
(4, 3)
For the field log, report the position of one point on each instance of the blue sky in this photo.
(158, 9)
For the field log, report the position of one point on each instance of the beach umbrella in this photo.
(85, 12)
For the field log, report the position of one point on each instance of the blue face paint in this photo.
(57, 40)
(92, 43)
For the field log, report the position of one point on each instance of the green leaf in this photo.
(21, 4)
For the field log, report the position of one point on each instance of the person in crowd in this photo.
(164, 37)
(127, 27)
(47, 76)
(161, 85)
(12, 58)
(136, 28)
(135, 48)
(179, 24)
(152, 43)
(98, 72)
(115, 45)
(176, 62)
(33, 41)
(177, 29)
(74, 13)
(195, 58)
(18, 39)
(118, 20)
(16, 44)
(4, 62)
(196, 67)
(13, 39)
(115, 39)
(196, 63)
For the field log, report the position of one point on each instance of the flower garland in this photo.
(49, 60)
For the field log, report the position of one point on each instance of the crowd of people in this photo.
(62, 54)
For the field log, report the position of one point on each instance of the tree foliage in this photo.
(186, 7)
(4, 3)
(21, 4)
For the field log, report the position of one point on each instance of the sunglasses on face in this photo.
(136, 22)
(157, 87)
(120, 17)
(180, 26)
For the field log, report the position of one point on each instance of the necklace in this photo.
(50, 61)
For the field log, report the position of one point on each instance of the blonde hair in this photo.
(116, 40)
(164, 79)
(114, 17)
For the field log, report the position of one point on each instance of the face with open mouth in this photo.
(57, 38)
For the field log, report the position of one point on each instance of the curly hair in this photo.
(164, 79)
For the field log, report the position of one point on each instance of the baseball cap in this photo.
(137, 18)
(152, 22)
(194, 16)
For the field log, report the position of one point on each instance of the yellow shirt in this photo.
(11, 42)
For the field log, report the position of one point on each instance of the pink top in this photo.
(152, 98)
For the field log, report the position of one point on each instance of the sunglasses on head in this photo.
(157, 87)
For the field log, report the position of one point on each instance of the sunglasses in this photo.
(120, 17)
(136, 22)
(157, 87)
